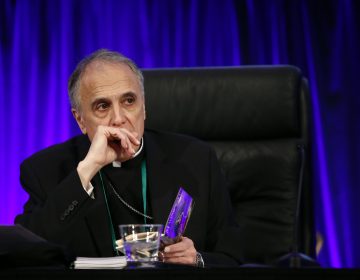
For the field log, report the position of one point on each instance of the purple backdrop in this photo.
(41, 41)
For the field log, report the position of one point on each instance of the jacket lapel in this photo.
(161, 172)
(166, 174)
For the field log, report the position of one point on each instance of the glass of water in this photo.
(141, 242)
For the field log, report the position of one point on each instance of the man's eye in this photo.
(102, 106)
(129, 100)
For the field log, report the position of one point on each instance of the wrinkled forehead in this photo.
(100, 74)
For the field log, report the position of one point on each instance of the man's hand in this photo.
(108, 144)
(182, 252)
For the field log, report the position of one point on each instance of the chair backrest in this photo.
(255, 117)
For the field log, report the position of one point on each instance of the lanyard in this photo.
(143, 186)
(144, 191)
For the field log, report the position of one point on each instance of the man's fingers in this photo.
(124, 132)
(174, 255)
(181, 252)
(109, 130)
(190, 252)
(180, 260)
(183, 245)
(124, 139)
(133, 138)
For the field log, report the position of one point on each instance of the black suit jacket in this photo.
(61, 211)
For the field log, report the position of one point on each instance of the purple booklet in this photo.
(178, 217)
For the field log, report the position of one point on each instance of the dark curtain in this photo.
(41, 41)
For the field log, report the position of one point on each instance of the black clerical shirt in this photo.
(127, 182)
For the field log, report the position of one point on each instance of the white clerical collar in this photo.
(118, 163)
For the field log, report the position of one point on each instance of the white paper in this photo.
(118, 262)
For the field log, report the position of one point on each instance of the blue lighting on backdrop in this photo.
(41, 41)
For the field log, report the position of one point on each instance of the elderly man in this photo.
(116, 173)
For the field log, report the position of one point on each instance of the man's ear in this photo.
(144, 112)
(79, 120)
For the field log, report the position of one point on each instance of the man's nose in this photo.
(117, 117)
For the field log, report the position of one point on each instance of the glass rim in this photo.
(140, 225)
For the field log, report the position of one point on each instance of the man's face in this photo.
(110, 95)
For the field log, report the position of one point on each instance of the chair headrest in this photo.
(227, 103)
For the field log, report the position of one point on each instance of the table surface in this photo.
(186, 273)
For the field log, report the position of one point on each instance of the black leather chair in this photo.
(255, 118)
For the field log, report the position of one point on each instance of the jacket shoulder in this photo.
(70, 151)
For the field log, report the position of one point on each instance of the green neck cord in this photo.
(144, 186)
